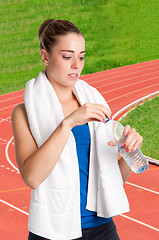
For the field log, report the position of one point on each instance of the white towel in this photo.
(55, 205)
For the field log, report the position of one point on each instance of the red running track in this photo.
(120, 87)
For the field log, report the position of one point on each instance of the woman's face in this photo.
(66, 60)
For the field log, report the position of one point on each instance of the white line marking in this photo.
(125, 86)
(123, 75)
(135, 102)
(126, 80)
(8, 106)
(7, 168)
(146, 189)
(137, 221)
(2, 143)
(18, 209)
(131, 92)
(3, 139)
(18, 91)
(11, 98)
(153, 160)
(7, 155)
(4, 119)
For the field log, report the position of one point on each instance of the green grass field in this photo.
(145, 119)
(117, 33)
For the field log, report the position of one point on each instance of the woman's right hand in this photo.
(89, 112)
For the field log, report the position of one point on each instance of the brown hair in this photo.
(51, 28)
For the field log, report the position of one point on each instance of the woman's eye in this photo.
(66, 57)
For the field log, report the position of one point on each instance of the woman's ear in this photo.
(44, 56)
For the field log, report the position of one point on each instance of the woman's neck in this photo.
(64, 93)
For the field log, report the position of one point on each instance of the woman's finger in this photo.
(110, 143)
(107, 112)
(131, 144)
(133, 140)
(126, 129)
(100, 109)
(138, 144)
(130, 136)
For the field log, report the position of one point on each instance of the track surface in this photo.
(120, 87)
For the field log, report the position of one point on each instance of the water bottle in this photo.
(136, 160)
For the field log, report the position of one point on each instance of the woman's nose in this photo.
(75, 63)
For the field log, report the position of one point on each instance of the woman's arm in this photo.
(35, 164)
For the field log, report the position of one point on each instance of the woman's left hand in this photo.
(133, 140)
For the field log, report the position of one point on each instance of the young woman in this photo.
(75, 173)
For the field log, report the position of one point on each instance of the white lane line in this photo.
(9, 106)
(127, 79)
(11, 98)
(137, 221)
(18, 209)
(152, 160)
(12, 92)
(4, 140)
(12, 170)
(123, 75)
(7, 155)
(131, 92)
(133, 103)
(146, 189)
(125, 86)
(5, 120)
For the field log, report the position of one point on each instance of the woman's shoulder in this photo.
(19, 112)
(19, 107)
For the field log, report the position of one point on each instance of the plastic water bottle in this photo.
(136, 160)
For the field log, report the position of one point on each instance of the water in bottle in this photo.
(136, 160)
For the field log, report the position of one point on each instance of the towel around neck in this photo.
(54, 211)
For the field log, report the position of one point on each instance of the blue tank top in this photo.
(82, 138)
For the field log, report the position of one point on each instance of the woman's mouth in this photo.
(73, 75)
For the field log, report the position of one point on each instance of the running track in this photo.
(120, 87)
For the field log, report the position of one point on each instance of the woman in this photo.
(61, 144)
